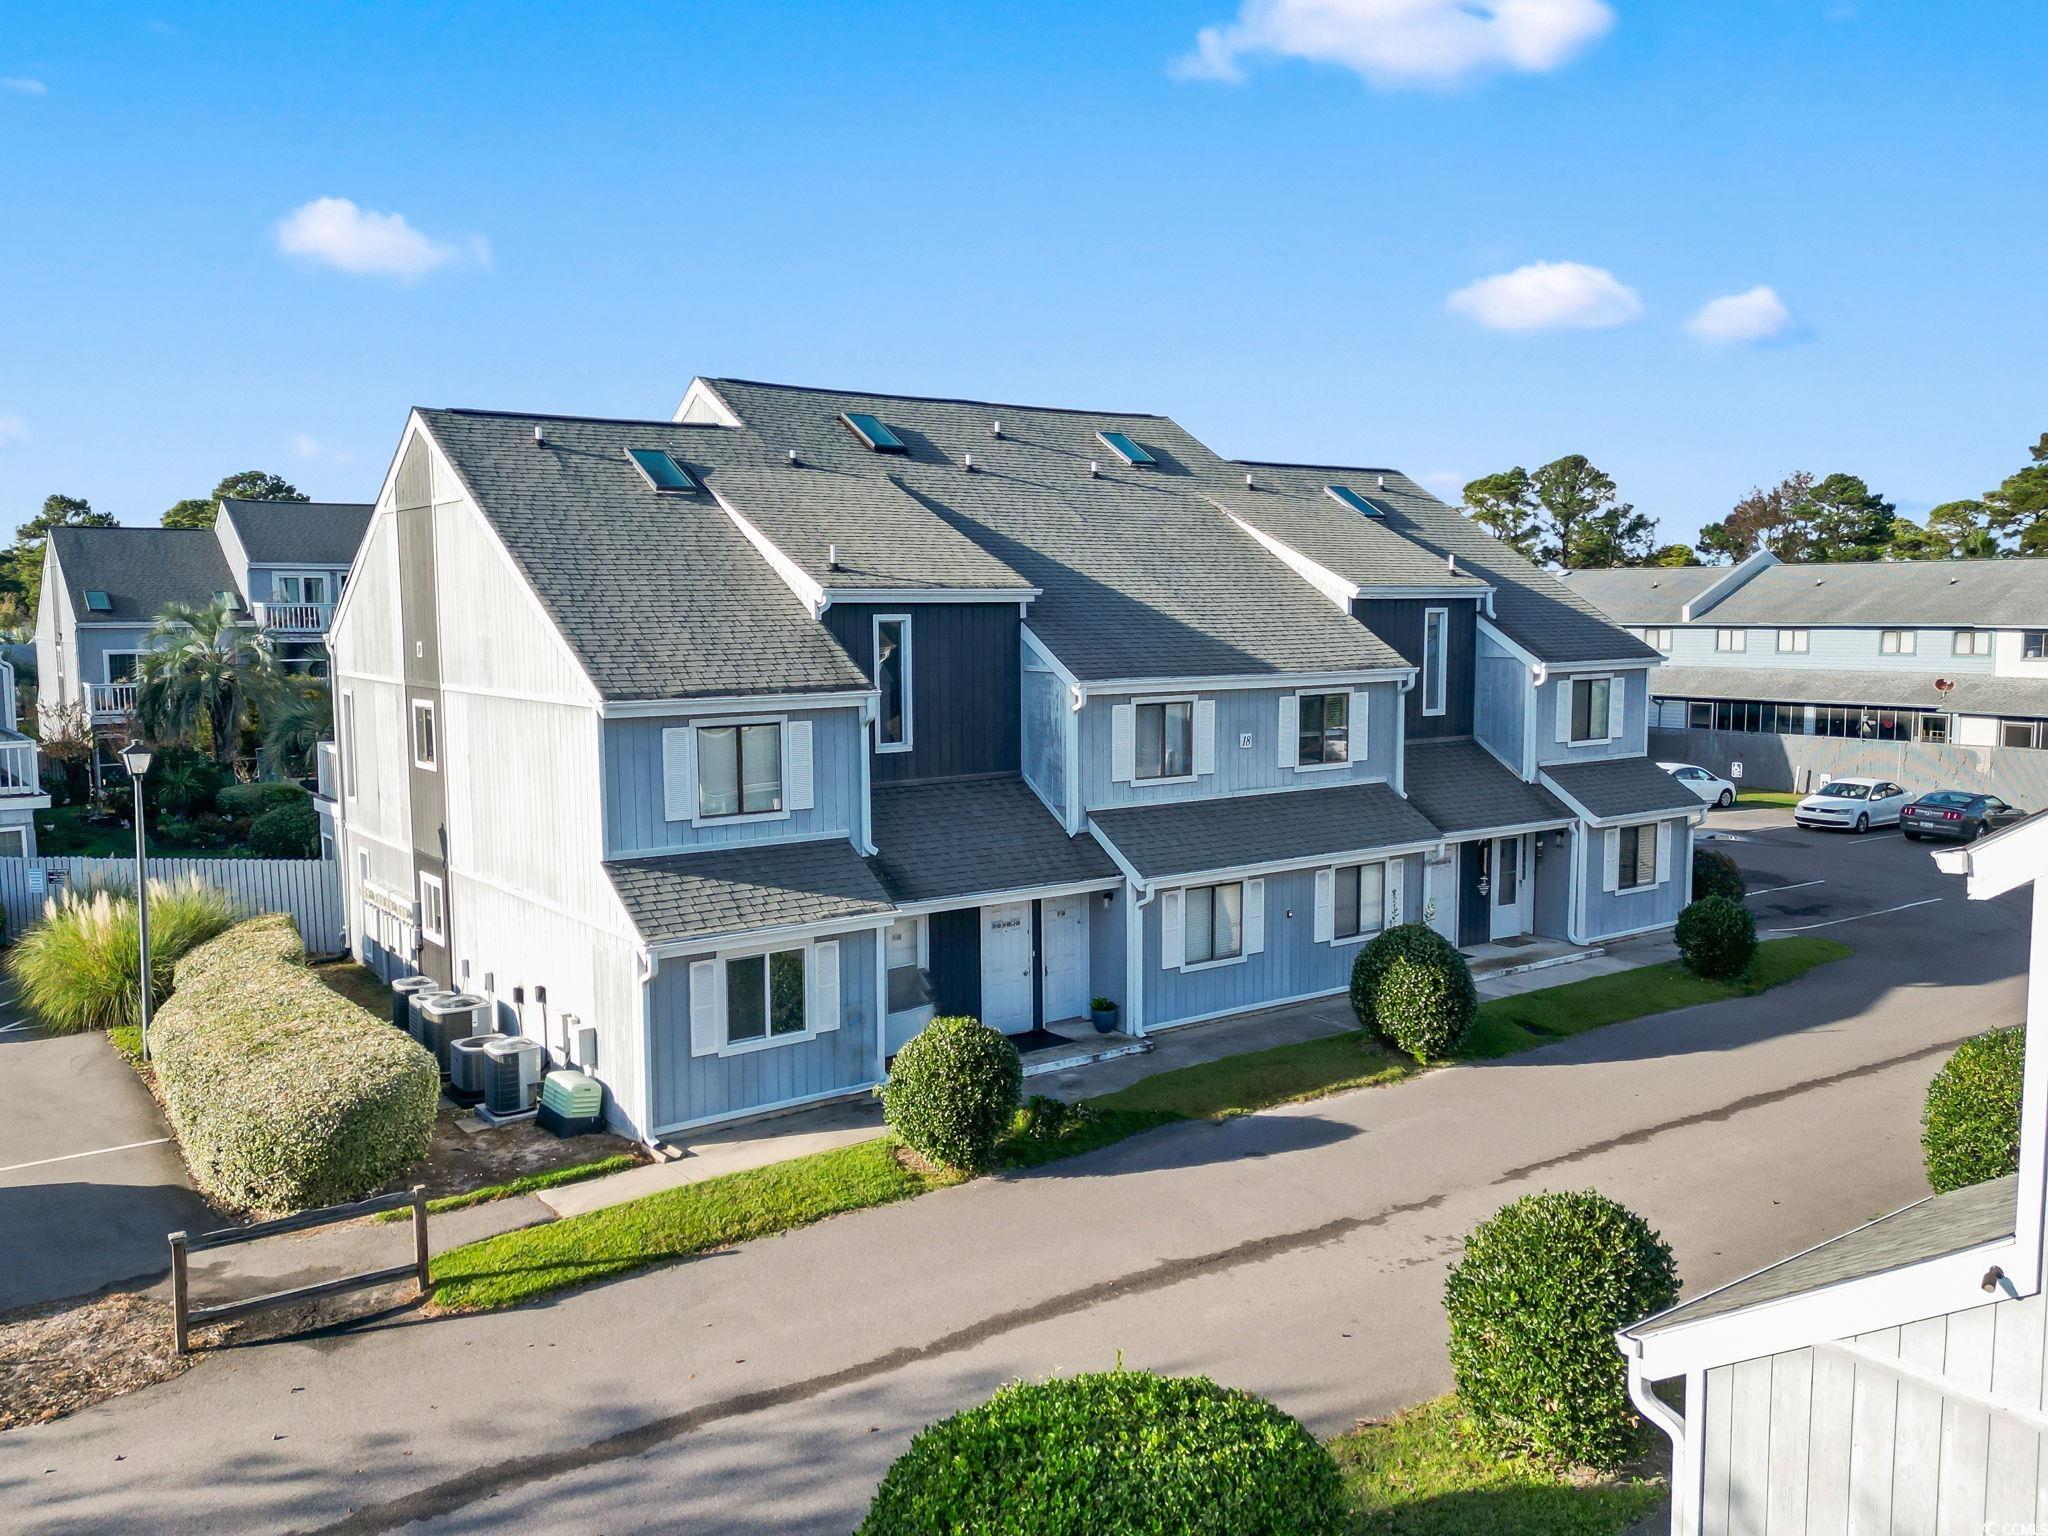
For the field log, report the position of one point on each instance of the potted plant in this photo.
(1103, 1011)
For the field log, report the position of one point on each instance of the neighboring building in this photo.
(1798, 671)
(21, 784)
(754, 738)
(282, 564)
(1891, 1379)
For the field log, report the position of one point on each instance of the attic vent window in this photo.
(1364, 506)
(661, 471)
(1121, 444)
(98, 602)
(870, 430)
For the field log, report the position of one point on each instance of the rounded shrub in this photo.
(1534, 1305)
(1970, 1129)
(287, 832)
(1714, 873)
(284, 1094)
(80, 967)
(252, 800)
(1412, 988)
(1122, 1451)
(1717, 937)
(952, 1092)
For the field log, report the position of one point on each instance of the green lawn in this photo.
(356, 982)
(1782, 799)
(1283, 1074)
(1426, 1473)
(525, 1184)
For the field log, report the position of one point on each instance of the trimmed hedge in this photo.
(1717, 937)
(1970, 1129)
(1122, 1451)
(254, 799)
(1412, 988)
(952, 1092)
(1534, 1305)
(284, 1094)
(1714, 873)
(287, 832)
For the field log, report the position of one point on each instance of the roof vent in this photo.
(1248, 481)
(967, 462)
(792, 458)
(1379, 482)
(1451, 564)
(831, 557)
(995, 429)
(540, 437)
(1094, 469)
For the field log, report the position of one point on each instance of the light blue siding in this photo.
(1240, 769)
(1048, 724)
(633, 802)
(1635, 722)
(689, 1088)
(1108, 941)
(1500, 700)
(93, 642)
(1612, 912)
(1553, 914)
(259, 582)
(1845, 648)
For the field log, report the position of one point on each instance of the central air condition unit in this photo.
(401, 997)
(511, 1078)
(416, 1022)
(451, 1016)
(468, 1068)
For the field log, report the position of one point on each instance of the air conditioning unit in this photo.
(451, 1016)
(417, 1024)
(468, 1069)
(401, 997)
(511, 1078)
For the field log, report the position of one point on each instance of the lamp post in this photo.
(136, 758)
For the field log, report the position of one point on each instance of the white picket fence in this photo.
(309, 889)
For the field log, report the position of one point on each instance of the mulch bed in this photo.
(63, 1356)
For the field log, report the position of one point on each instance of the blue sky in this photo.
(1040, 203)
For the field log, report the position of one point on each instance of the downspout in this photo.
(1401, 736)
(1134, 952)
(1538, 676)
(1687, 1449)
(870, 709)
(1071, 747)
(1575, 924)
(649, 967)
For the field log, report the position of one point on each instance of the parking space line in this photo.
(1802, 885)
(43, 1162)
(1857, 917)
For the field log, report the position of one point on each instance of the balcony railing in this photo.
(294, 618)
(109, 701)
(19, 774)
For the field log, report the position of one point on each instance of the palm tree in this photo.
(200, 672)
(297, 719)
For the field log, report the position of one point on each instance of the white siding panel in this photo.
(1719, 1441)
(1873, 1436)
(1830, 1428)
(1965, 1427)
(1749, 1447)
(1791, 1410)
(1916, 1474)
(2013, 1455)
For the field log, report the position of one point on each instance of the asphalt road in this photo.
(1299, 1253)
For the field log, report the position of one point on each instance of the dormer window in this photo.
(661, 471)
(1364, 506)
(225, 600)
(871, 431)
(98, 602)
(1124, 447)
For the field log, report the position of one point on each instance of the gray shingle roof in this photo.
(660, 596)
(140, 569)
(1905, 592)
(972, 837)
(1620, 786)
(1196, 836)
(1928, 1229)
(298, 532)
(1292, 506)
(1463, 788)
(1974, 693)
(742, 889)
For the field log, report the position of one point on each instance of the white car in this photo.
(1715, 791)
(1858, 803)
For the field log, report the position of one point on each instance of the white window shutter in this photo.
(1290, 730)
(796, 765)
(825, 986)
(678, 774)
(1255, 917)
(1610, 863)
(705, 1007)
(1397, 876)
(1205, 736)
(1663, 851)
(1617, 706)
(1326, 905)
(1170, 947)
(1564, 709)
(1361, 723)
(1123, 743)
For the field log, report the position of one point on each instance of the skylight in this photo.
(98, 602)
(870, 430)
(1123, 447)
(1364, 506)
(661, 470)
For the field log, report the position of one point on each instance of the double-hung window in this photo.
(433, 910)
(1897, 642)
(1731, 639)
(739, 770)
(1166, 740)
(1213, 923)
(1972, 642)
(305, 588)
(892, 681)
(1658, 640)
(1793, 641)
(2034, 645)
(1359, 900)
(1436, 623)
(1590, 703)
(1325, 730)
(764, 996)
(426, 747)
(1638, 865)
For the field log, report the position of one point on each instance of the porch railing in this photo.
(106, 700)
(18, 772)
(294, 618)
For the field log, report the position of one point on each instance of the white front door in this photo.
(1006, 967)
(1440, 894)
(1509, 888)
(1064, 936)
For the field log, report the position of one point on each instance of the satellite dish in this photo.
(1944, 685)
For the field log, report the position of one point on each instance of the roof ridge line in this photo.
(888, 394)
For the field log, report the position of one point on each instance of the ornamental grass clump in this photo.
(80, 966)
(1412, 988)
(1970, 1129)
(1117, 1451)
(284, 1094)
(952, 1093)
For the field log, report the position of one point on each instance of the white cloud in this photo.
(24, 85)
(1548, 296)
(306, 446)
(1401, 42)
(334, 230)
(12, 430)
(1756, 315)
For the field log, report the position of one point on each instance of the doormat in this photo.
(1039, 1040)
(1518, 941)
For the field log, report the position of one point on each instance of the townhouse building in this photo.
(722, 752)
(280, 564)
(1934, 672)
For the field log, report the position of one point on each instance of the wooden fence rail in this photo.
(308, 889)
(184, 1314)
